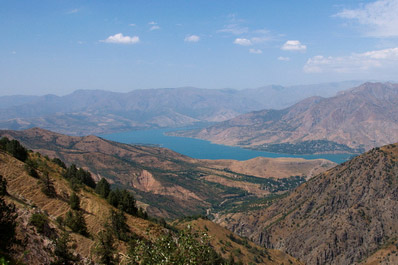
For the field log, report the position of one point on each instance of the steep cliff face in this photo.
(360, 118)
(339, 217)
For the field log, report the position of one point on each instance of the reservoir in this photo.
(202, 149)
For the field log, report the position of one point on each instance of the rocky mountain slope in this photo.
(345, 215)
(94, 112)
(353, 121)
(37, 242)
(170, 184)
(226, 242)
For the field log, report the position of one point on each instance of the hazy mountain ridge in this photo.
(341, 216)
(359, 118)
(95, 111)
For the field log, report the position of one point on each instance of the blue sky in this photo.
(61, 46)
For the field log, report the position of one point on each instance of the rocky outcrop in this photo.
(338, 217)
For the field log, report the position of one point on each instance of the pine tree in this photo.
(75, 221)
(48, 186)
(74, 202)
(118, 225)
(62, 250)
(103, 188)
(105, 247)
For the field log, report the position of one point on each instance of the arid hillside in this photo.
(345, 215)
(42, 223)
(166, 183)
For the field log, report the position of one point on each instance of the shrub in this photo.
(40, 221)
(59, 162)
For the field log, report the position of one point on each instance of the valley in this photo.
(169, 184)
(199, 132)
(40, 220)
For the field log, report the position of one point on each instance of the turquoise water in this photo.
(201, 149)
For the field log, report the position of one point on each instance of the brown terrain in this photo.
(25, 193)
(354, 120)
(167, 183)
(281, 167)
(226, 242)
(346, 215)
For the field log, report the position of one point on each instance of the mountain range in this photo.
(350, 122)
(96, 112)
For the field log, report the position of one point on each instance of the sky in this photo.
(57, 47)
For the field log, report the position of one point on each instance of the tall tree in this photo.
(74, 202)
(103, 188)
(105, 247)
(62, 250)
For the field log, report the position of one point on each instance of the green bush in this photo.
(187, 247)
(80, 176)
(124, 201)
(14, 148)
(40, 221)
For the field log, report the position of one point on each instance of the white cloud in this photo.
(380, 18)
(73, 11)
(293, 45)
(154, 27)
(285, 59)
(120, 39)
(192, 38)
(234, 29)
(255, 51)
(261, 39)
(13, 52)
(243, 42)
(132, 25)
(357, 62)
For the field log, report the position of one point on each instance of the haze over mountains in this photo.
(352, 121)
(94, 112)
